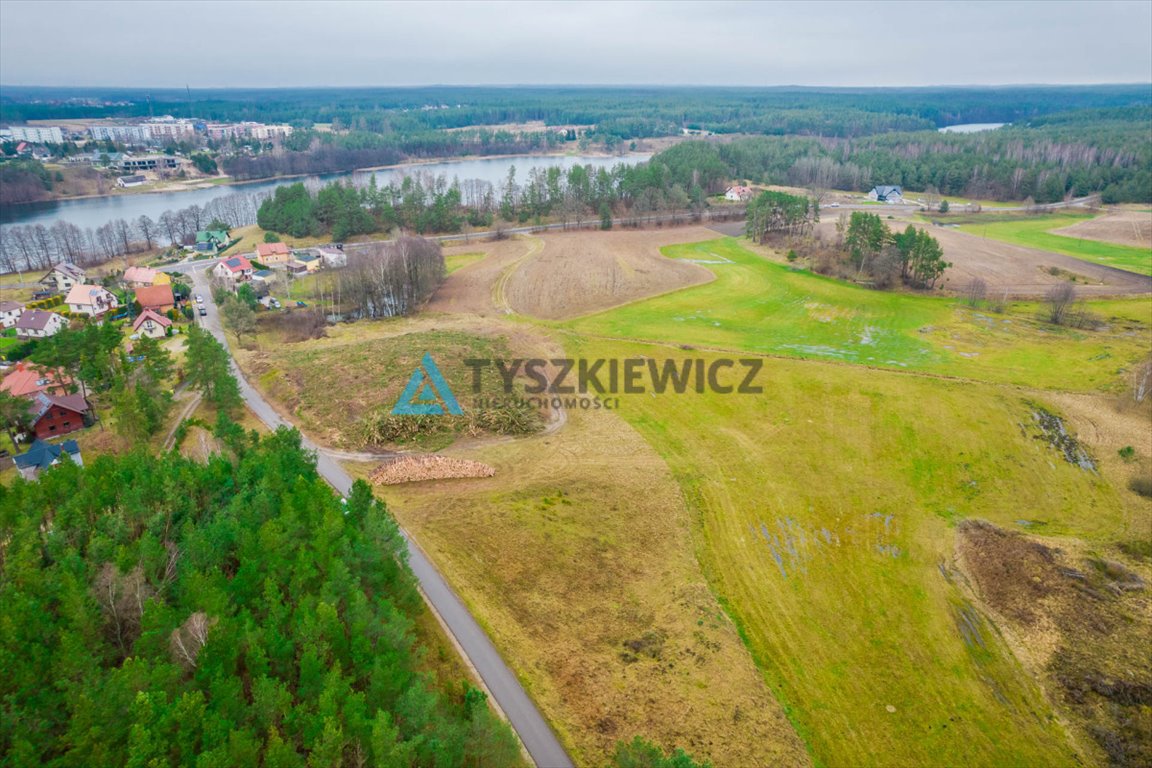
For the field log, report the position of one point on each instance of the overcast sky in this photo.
(283, 44)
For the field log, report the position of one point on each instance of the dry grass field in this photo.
(578, 557)
(1123, 226)
(567, 274)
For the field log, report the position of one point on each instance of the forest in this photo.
(234, 612)
(627, 112)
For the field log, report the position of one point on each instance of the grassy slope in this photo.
(842, 626)
(368, 373)
(792, 488)
(764, 307)
(1034, 233)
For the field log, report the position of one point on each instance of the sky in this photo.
(317, 43)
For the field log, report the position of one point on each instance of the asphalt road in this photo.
(505, 690)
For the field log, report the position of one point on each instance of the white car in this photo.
(199, 299)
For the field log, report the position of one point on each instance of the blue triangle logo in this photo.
(427, 393)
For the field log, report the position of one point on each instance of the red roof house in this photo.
(29, 381)
(157, 298)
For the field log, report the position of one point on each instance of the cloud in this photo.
(220, 44)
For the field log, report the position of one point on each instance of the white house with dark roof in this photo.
(10, 312)
(887, 194)
(38, 324)
(63, 277)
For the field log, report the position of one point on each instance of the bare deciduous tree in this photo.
(1060, 299)
(187, 640)
(122, 597)
(976, 291)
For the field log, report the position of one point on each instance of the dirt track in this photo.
(566, 274)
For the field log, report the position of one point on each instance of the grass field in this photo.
(756, 305)
(607, 559)
(578, 558)
(369, 373)
(1034, 232)
(825, 510)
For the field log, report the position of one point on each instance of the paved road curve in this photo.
(509, 695)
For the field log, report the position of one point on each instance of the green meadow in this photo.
(825, 507)
(824, 514)
(764, 307)
(1034, 232)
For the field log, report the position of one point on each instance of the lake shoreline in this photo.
(228, 181)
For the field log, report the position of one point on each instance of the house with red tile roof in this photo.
(157, 298)
(28, 381)
(270, 254)
(236, 268)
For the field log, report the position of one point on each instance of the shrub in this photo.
(1127, 453)
(1142, 484)
(271, 237)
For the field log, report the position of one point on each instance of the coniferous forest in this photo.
(155, 610)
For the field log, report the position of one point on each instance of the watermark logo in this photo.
(427, 393)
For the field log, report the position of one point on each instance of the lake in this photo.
(96, 211)
(972, 127)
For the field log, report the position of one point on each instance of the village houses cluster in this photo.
(145, 300)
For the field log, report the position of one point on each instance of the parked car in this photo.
(301, 304)
(199, 299)
(203, 311)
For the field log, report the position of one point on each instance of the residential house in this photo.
(28, 381)
(91, 300)
(41, 455)
(10, 312)
(236, 269)
(333, 257)
(738, 194)
(62, 277)
(140, 276)
(52, 415)
(211, 239)
(151, 324)
(887, 194)
(135, 180)
(38, 324)
(157, 298)
(273, 254)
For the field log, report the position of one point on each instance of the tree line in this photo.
(37, 246)
(1047, 162)
(628, 112)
